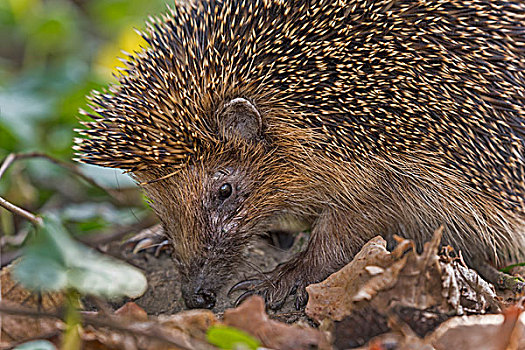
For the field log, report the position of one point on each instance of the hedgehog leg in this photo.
(288, 278)
(324, 254)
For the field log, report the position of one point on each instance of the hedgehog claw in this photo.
(247, 285)
(276, 286)
(243, 297)
(152, 237)
(277, 304)
(301, 299)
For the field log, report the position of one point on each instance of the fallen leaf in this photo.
(330, 298)
(193, 323)
(251, 318)
(487, 332)
(419, 290)
(187, 328)
(15, 329)
(132, 311)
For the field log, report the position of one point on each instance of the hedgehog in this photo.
(356, 118)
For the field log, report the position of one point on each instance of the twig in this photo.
(11, 158)
(144, 329)
(6, 163)
(10, 206)
(70, 167)
(9, 256)
(22, 212)
(103, 307)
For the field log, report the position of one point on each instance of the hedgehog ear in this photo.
(240, 119)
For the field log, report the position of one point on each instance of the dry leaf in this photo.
(132, 312)
(19, 328)
(193, 323)
(330, 298)
(188, 328)
(488, 332)
(382, 280)
(420, 290)
(251, 318)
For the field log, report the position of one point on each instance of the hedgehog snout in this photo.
(199, 298)
(198, 294)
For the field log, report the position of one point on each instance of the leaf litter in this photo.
(380, 300)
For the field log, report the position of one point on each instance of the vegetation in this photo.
(54, 53)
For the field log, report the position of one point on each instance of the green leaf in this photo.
(109, 178)
(507, 269)
(98, 274)
(38, 272)
(36, 345)
(53, 261)
(88, 213)
(230, 338)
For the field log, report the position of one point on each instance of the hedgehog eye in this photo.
(225, 191)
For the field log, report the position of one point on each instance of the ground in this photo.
(163, 295)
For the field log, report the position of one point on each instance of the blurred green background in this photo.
(52, 54)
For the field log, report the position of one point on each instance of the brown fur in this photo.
(346, 205)
(357, 117)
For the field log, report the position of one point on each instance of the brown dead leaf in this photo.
(251, 318)
(20, 328)
(411, 280)
(465, 291)
(101, 338)
(382, 280)
(106, 339)
(14, 292)
(330, 298)
(187, 328)
(419, 290)
(132, 311)
(193, 323)
(489, 332)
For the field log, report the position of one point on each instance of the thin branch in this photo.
(22, 212)
(10, 206)
(6, 163)
(9, 256)
(11, 158)
(150, 330)
(70, 167)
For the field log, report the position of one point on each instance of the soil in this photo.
(163, 295)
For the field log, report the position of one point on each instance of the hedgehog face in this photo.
(211, 209)
(209, 214)
(205, 222)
